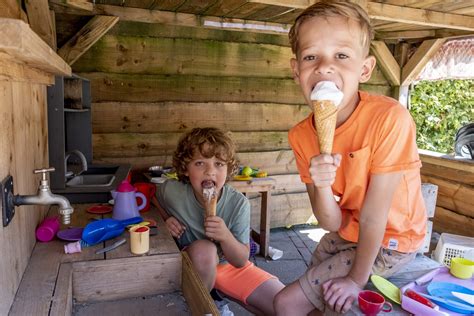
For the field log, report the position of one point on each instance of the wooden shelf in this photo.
(21, 44)
(76, 110)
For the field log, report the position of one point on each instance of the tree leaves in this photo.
(439, 109)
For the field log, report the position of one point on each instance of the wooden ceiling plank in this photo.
(298, 4)
(402, 35)
(223, 7)
(40, 20)
(79, 4)
(86, 37)
(419, 59)
(397, 13)
(386, 62)
(420, 17)
(183, 19)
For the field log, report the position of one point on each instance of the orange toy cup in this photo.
(148, 189)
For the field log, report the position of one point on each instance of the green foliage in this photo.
(439, 109)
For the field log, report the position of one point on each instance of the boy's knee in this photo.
(280, 302)
(203, 253)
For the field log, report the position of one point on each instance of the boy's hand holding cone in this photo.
(325, 98)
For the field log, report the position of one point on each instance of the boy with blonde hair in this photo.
(367, 191)
(218, 245)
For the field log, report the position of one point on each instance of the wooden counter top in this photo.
(36, 293)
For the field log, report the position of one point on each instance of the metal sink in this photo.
(91, 180)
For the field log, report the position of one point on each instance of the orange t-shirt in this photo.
(379, 137)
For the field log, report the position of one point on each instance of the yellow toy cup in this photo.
(139, 239)
(462, 268)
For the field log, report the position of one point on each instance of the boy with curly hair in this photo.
(217, 245)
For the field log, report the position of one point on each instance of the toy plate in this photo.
(242, 178)
(70, 234)
(387, 288)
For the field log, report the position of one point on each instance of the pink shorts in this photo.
(239, 283)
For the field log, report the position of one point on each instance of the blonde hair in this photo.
(218, 144)
(328, 8)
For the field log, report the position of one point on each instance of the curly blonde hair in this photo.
(219, 145)
(334, 8)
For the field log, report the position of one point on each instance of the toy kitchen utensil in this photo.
(371, 303)
(106, 229)
(148, 189)
(139, 240)
(125, 203)
(442, 291)
(111, 247)
(469, 298)
(454, 306)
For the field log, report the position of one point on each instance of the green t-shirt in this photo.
(178, 199)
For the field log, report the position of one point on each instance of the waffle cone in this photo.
(325, 114)
(211, 207)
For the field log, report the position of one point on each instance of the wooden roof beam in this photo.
(173, 18)
(388, 12)
(419, 59)
(40, 21)
(401, 14)
(386, 62)
(86, 37)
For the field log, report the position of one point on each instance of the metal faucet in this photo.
(46, 197)
(81, 157)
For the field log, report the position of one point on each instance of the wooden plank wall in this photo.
(455, 201)
(150, 83)
(23, 147)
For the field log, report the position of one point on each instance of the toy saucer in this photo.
(70, 234)
(99, 209)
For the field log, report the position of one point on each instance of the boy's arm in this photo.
(173, 225)
(372, 223)
(235, 252)
(325, 207)
(341, 292)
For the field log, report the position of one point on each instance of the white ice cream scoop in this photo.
(327, 90)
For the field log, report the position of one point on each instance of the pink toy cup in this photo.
(371, 303)
(148, 189)
(47, 229)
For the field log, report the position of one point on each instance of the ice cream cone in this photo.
(325, 114)
(211, 206)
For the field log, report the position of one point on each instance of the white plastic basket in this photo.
(451, 246)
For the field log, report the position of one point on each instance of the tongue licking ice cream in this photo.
(210, 195)
(325, 99)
